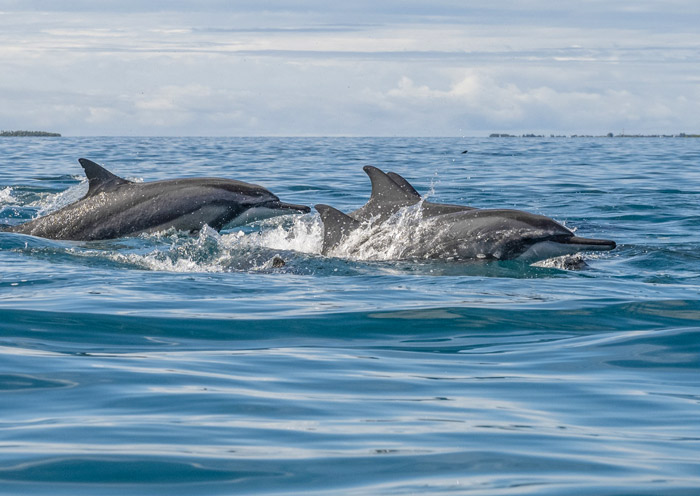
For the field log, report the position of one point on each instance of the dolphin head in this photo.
(257, 203)
(505, 235)
(532, 237)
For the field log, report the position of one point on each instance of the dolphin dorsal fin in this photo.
(388, 196)
(336, 225)
(100, 179)
(385, 189)
(390, 193)
(403, 184)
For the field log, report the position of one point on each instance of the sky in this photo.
(360, 68)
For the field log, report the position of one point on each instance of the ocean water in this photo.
(176, 364)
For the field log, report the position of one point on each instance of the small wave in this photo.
(650, 328)
(566, 262)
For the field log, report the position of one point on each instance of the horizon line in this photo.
(357, 136)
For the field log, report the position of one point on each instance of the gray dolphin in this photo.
(114, 207)
(449, 231)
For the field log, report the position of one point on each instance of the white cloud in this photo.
(498, 102)
(446, 68)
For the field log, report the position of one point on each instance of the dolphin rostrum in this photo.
(445, 231)
(114, 207)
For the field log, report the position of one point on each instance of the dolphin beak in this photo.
(291, 206)
(592, 244)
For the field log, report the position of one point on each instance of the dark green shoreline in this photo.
(609, 135)
(31, 134)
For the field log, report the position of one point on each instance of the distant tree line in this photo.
(29, 133)
(609, 135)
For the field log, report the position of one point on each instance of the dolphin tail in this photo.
(336, 225)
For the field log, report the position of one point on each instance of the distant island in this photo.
(609, 135)
(33, 134)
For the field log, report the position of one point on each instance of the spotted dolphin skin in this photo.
(454, 232)
(114, 207)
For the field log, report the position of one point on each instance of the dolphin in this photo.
(446, 231)
(114, 207)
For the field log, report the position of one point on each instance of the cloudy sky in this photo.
(358, 68)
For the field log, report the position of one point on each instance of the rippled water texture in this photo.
(194, 364)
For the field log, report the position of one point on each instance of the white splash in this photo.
(6, 197)
(212, 252)
(200, 254)
(392, 239)
(304, 235)
(50, 202)
(158, 262)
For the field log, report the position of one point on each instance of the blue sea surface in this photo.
(190, 364)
